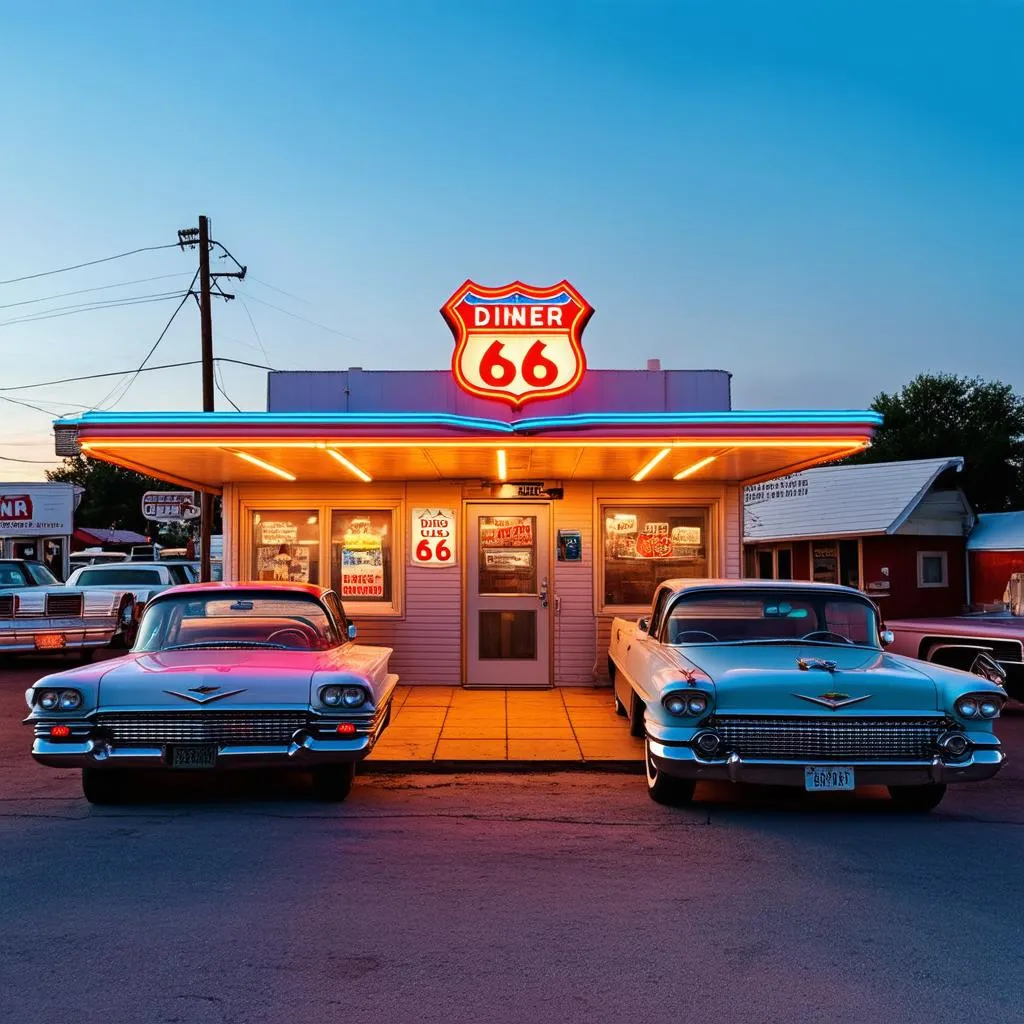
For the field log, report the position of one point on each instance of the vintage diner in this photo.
(487, 521)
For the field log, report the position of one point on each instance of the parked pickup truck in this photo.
(957, 641)
(788, 683)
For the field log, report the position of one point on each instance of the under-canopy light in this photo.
(690, 470)
(502, 465)
(641, 473)
(276, 470)
(349, 465)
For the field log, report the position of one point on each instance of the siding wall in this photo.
(990, 572)
(427, 635)
(906, 599)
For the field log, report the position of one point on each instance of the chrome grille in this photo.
(63, 604)
(832, 739)
(158, 728)
(7, 606)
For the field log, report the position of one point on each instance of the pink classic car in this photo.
(221, 676)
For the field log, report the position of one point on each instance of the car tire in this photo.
(333, 783)
(101, 786)
(917, 799)
(664, 789)
(636, 715)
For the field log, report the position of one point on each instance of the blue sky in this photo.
(824, 198)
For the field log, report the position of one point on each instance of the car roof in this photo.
(231, 587)
(693, 583)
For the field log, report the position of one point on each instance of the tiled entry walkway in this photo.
(441, 724)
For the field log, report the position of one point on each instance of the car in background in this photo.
(789, 684)
(142, 579)
(41, 615)
(79, 558)
(222, 676)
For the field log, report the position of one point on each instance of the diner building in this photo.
(488, 538)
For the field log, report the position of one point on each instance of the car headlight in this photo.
(49, 700)
(967, 707)
(343, 696)
(686, 705)
(69, 700)
(978, 705)
(989, 708)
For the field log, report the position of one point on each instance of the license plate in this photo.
(50, 641)
(830, 778)
(195, 755)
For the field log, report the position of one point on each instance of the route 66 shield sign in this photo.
(517, 343)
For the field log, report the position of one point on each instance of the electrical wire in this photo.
(28, 405)
(218, 381)
(88, 307)
(304, 319)
(90, 263)
(30, 462)
(123, 373)
(126, 385)
(263, 347)
(298, 298)
(98, 288)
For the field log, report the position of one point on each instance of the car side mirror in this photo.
(351, 631)
(887, 637)
(643, 623)
(987, 667)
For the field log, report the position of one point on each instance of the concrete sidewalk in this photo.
(446, 726)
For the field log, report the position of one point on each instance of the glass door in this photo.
(508, 565)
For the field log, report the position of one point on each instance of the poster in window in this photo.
(362, 560)
(287, 563)
(826, 563)
(273, 531)
(506, 532)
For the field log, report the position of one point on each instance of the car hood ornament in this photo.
(806, 664)
(833, 701)
(203, 694)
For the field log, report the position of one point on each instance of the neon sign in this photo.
(518, 343)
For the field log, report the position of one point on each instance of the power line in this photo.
(122, 373)
(281, 291)
(97, 288)
(88, 307)
(89, 263)
(219, 381)
(263, 347)
(142, 365)
(304, 319)
(28, 405)
(31, 462)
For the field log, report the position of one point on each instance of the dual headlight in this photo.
(343, 696)
(978, 706)
(59, 700)
(686, 705)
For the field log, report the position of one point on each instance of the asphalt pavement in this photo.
(506, 897)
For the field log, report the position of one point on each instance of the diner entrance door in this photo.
(508, 567)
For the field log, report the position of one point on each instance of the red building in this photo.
(897, 530)
(996, 551)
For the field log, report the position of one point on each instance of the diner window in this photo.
(932, 569)
(362, 555)
(785, 562)
(286, 546)
(645, 544)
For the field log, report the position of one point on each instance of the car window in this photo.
(12, 576)
(659, 611)
(180, 574)
(116, 577)
(41, 575)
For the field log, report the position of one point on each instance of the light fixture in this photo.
(640, 474)
(350, 466)
(502, 465)
(252, 460)
(690, 470)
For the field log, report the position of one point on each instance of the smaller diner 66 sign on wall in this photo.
(433, 536)
(518, 343)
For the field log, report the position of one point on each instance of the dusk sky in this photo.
(824, 198)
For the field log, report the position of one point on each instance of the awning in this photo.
(205, 451)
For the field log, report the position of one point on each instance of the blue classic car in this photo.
(788, 683)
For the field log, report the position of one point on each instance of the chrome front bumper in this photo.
(21, 637)
(682, 762)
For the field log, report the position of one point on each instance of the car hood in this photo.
(753, 676)
(222, 679)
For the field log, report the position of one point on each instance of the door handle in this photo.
(543, 595)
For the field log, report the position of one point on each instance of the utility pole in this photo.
(201, 236)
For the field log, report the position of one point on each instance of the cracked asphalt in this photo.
(562, 897)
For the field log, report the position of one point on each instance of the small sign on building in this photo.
(433, 536)
(170, 506)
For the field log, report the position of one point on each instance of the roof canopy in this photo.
(208, 450)
(844, 501)
(998, 531)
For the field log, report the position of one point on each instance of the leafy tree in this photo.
(940, 415)
(113, 498)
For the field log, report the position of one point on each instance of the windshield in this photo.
(41, 575)
(247, 619)
(772, 616)
(100, 577)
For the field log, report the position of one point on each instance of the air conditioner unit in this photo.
(1015, 594)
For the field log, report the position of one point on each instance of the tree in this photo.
(941, 415)
(113, 497)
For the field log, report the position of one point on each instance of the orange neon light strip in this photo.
(350, 466)
(283, 473)
(502, 465)
(641, 473)
(696, 467)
